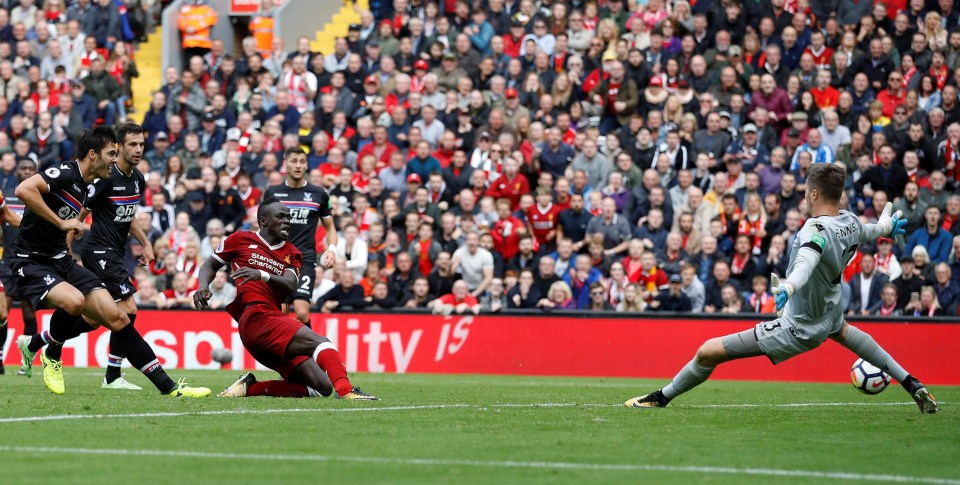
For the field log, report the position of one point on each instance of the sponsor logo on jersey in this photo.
(119, 188)
(253, 246)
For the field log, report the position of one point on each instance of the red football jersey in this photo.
(247, 249)
(543, 221)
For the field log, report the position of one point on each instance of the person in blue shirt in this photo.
(937, 240)
(423, 164)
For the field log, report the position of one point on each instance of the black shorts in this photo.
(36, 277)
(10, 286)
(308, 278)
(108, 266)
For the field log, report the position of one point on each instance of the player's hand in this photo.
(899, 224)
(781, 293)
(74, 225)
(244, 275)
(147, 257)
(328, 258)
(201, 299)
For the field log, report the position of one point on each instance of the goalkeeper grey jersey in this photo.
(836, 240)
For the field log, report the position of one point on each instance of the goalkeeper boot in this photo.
(358, 395)
(183, 390)
(120, 383)
(26, 356)
(239, 388)
(655, 399)
(921, 395)
(52, 373)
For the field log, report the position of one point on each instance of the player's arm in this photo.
(10, 216)
(889, 224)
(70, 236)
(201, 298)
(806, 260)
(329, 255)
(31, 192)
(138, 233)
(286, 282)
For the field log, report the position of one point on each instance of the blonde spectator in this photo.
(559, 297)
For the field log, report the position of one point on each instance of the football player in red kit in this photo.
(266, 268)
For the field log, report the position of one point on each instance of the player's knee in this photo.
(73, 304)
(324, 387)
(710, 353)
(303, 314)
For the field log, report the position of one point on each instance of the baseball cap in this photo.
(354, 27)
(749, 128)
(161, 135)
(656, 81)
(371, 79)
(414, 178)
(449, 56)
(464, 111)
(734, 50)
(516, 23)
(793, 132)
(906, 257)
(421, 65)
(373, 43)
(209, 116)
(882, 240)
(609, 56)
(195, 196)
(683, 84)
(485, 134)
(675, 278)
(511, 93)
(76, 83)
(233, 134)
(725, 114)
(798, 116)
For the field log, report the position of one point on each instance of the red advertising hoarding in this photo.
(244, 7)
(557, 345)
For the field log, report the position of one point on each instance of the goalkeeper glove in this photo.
(781, 292)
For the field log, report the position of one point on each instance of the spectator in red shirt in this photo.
(542, 219)
(506, 232)
(460, 301)
(510, 185)
(825, 95)
(380, 149)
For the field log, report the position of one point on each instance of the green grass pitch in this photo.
(474, 429)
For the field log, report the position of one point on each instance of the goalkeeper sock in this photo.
(692, 375)
(329, 360)
(131, 344)
(278, 389)
(862, 344)
(115, 357)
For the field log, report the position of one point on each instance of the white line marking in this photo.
(770, 472)
(479, 407)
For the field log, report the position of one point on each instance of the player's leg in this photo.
(862, 344)
(306, 379)
(112, 378)
(304, 293)
(306, 342)
(3, 329)
(712, 353)
(101, 308)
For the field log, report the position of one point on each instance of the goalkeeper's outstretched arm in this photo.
(888, 225)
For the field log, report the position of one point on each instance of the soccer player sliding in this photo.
(266, 268)
(809, 298)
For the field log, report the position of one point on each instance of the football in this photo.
(867, 378)
(221, 355)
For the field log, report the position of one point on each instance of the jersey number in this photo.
(305, 285)
(846, 257)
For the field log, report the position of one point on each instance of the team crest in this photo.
(307, 197)
(136, 186)
(286, 259)
(123, 288)
(103, 264)
(64, 212)
(49, 280)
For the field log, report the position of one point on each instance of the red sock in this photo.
(329, 360)
(277, 389)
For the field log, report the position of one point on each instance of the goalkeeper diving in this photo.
(808, 298)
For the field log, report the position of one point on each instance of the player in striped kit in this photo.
(809, 297)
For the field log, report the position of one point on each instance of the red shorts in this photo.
(266, 332)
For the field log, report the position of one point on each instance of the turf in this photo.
(724, 432)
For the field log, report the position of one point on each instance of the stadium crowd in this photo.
(487, 155)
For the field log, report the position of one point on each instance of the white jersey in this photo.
(836, 239)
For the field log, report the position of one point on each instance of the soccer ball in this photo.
(867, 378)
(221, 355)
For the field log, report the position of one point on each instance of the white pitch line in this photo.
(479, 407)
(440, 462)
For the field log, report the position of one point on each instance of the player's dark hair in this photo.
(95, 139)
(128, 129)
(297, 150)
(262, 210)
(828, 179)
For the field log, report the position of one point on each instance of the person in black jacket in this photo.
(674, 300)
(888, 177)
(524, 294)
(344, 296)
(228, 205)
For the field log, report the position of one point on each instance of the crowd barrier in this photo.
(579, 344)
